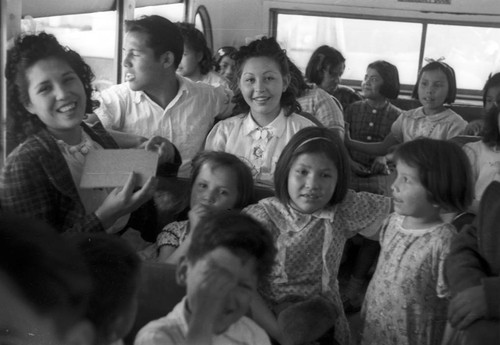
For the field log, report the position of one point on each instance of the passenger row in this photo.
(277, 261)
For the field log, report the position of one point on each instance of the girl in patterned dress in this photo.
(270, 112)
(405, 302)
(220, 181)
(311, 217)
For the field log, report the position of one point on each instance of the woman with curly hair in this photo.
(49, 91)
(270, 111)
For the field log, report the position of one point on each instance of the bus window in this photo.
(474, 52)
(173, 12)
(92, 35)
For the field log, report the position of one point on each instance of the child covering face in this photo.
(229, 254)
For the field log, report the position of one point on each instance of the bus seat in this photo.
(158, 294)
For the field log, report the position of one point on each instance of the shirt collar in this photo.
(277, 126)
(138, 96)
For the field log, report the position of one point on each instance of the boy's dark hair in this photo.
(49, 273)
(163, 35)
(444, 171)
(297, 80)
(390, 75)
(243, 173)
(313, 140)
(323, 58)
(239, 233)
(265, 47)
(220, 53)
(493, 81)
(26, 52)
(195, 40)
(448, 71)
(491, 134)
(115, 270)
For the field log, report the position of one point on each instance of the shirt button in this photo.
(369, 137)
(370, 124)
(374, 111)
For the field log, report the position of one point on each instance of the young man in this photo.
(154, 101)
(227, 257)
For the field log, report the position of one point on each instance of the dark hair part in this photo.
(26, 52)
(265, 47)
(448, 71)
(195, 40)
(244, 236)
(323, 58)
(493, 81)
(220, 159)
(313, 140)
(115, 271)
(444, 171)
(163, 35)
(491, 134)
(49, 273)
(390, 75)
(222, 52)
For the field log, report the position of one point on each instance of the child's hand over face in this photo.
(467, 307)
(209, 296)
(196, 213)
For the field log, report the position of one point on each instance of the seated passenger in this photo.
(228, 256)
(491, 96)
(473, 272)
(220, 181)
(484, 156)
(115, 270)
(436, 86)
(226, 66)
(49, 88)
(196, 63)
(154, 100)
(270, 120)
(44, 286)
(325, 67)
(317, 102)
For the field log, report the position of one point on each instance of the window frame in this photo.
(463, 95)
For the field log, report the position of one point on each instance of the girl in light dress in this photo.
(270, 111)
(406, 299)
(311, 217)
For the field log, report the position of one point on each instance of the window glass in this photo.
(473, 52)
(173, 12)
(358, 40)
(92, 35)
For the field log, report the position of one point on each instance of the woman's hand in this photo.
(379, 166)
(467, 306)
(162, 146)
(123, 200)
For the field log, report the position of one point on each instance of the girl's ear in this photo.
(83, 333)
(29, 108)
(286, 82)
(181, 271)
(199, 56)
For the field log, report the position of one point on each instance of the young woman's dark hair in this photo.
(26, 52)
(195, 40)
(390, 75)
(493, 81)
(266, 47)
(323, 58)
(491, 131)
(448, 71)
(313, 140)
